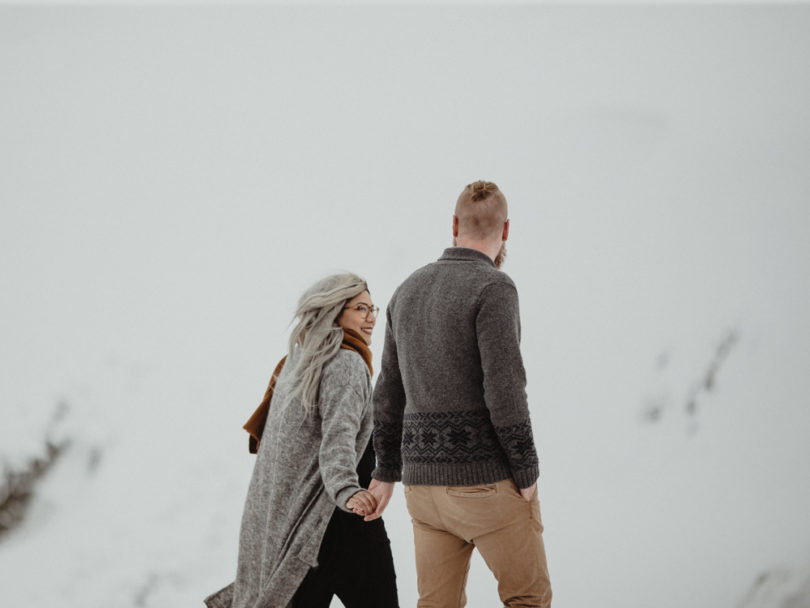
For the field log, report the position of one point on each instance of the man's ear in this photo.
(505, 234)
(455, 226)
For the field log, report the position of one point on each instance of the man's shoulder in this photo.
(500, 280)
(416, 277)
(488, 279)
(476, 277)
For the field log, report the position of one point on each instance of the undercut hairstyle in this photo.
(481, 210)
(316, 338)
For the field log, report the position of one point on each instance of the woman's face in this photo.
(359, 315)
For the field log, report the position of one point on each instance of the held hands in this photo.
(382, 492)
(362, 503)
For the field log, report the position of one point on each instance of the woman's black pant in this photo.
(354, 563)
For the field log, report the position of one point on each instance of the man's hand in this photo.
(362, 503)
(382, 492)
(527, 493)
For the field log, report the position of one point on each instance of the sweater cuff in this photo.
(383, 474)
(342, 497)
(525, 477)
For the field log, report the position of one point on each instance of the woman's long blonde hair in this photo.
(316, 338)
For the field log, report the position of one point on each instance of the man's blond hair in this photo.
(481, 210)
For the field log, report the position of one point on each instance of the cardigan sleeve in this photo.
(344, 411)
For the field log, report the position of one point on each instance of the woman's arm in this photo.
(345, 414)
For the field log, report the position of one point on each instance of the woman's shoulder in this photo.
(347, 366)
(346, 360)
(346, 381)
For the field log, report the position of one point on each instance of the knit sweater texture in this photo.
(305, 467)
(450, 404)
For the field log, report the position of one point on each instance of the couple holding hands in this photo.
(449, 418)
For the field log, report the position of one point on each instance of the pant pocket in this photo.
(478, 491)
(535, 505)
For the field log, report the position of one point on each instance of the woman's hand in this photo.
(362, 503)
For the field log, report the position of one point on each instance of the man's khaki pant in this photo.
(449, 521)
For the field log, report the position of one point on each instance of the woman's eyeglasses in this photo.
(364, 310)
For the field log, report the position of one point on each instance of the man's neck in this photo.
(488, 248)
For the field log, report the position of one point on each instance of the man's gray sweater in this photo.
(450, 402)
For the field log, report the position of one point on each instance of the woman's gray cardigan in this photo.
(305, 466)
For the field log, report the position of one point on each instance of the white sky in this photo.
(172, 178)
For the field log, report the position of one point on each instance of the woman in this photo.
(303, 537)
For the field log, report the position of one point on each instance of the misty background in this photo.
(172, 177)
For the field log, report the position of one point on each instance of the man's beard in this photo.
(499, 259)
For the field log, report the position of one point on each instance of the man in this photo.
(452, 419)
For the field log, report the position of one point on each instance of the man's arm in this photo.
(389, 407)
(498, 333)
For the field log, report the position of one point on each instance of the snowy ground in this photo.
(173, 178)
